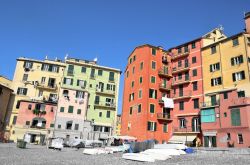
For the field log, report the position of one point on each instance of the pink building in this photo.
(187, 90)
(226, 121)
(35, 120)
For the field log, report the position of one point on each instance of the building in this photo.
(147, 80)
(35, 121)
(226, 89)
(100, 87)
(118, 125)
(34, 80)
(5, 95)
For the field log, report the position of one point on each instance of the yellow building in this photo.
(118, 125)
(5, 94)
(226, 66)
(34, 80)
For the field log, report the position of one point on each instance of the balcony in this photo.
(70, 72)
(164, 87)
(209, 104)
(240, 101)
(183, 130)
(38, 127)
(48, 87)
(107, 105)
(105, 92)
(182, 95)
(182, 68)
(165, 59)
(164, 73)
(164, 116)
(179, 55)
(186, 80)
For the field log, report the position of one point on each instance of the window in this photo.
(111, 76)
(153, 93)
(132, 84)
(140, 80)
(139, 108)
(76, 126)
(213, 49)
(235, 117)
(165, 127)
(69, 125)
(193, 45)
(196, 103)
(108, 114)
(70, 69)
(131, 97)
(22, 91)
(28, 64)
(214, 67)
(133, 70)
(225, 114)
(100, 72)
(27, 123)
(70, 109)
(193, 60)
(237, 60)
(14, 120)
(43, 80)
(153, 64)
(131, 110)
(18, 104)
(100, 114)
(235, 42)
(25, 77)
(141, 65)
(68, 81)
(140, 94)
(110, 87)
(238, 76)
(194, 72)
(240, 138)
(151, 108)
(79, 111)
(179, 63)
(181, 105)
(55, 69)
(195, 86)
(81, 83)
(127, 73)
(216, 81)
(153, 51)
(225, 94)
(151, 126)
(45, 67)
(152, 79)
(51, 125)
(83, 69)
(59, 126)
(182, 123)
(130, 60)
(129, 126)
(134, 58)
(79, 94)
(40, 93)
(29, 106)
(179, 76)
(208, 115)
(186, 48)
(228, 136)
(241, 93)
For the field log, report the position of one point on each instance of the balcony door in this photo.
(180, 90)
(213, 100)
(195, 124)
(186, 63)
(51, 82)
(166, 113)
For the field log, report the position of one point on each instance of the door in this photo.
(101, 86)
(166, 113)
(206, 141)
(213, 141)
(51, 82)
(195, 125)
(180, 90)
(213, 100)
(92, 74)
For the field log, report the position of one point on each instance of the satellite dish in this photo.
(95, 59)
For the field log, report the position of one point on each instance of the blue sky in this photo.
(107, 29)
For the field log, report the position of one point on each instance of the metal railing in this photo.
(182, 67)
(209, 104)
(111, 92)
(186, 93)
(181, 54)
(164, 116)
(164, 86)
(186, 79)
(105, 104)
(187, 129)
(164, 72)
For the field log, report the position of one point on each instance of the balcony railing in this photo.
(165, 60)
(179, 55)
(164, 116)
(182, 95)
(38, 127)
(105, 104)
(164, 87)
(240, 101)
(186, 79)
(187, 129)
(48, 86)
(182, 68)
(105, 92)
(209, 104)
(164, 72)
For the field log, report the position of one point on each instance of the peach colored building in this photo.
(35, 121)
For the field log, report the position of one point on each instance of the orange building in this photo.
(146, 81)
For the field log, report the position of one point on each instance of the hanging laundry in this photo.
(168, 103)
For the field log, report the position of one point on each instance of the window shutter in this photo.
(71, 81)
(243, 75)
(42, 66)
(218, 66)
(148, 126)
(113, 87)
(25, 91)
(234, 79)
(155, 126)
(211, 69)
(31, 65)
(50, 68)
(155, 94)
(24, 64)
(212, 82)
(219, 80)
(232, 61)
(241, 58)
(18, 91)
(64, 80)
(78, 82)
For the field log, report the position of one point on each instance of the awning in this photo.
(180, 139)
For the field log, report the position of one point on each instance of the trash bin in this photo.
(21, 143)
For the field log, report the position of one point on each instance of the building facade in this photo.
(146, 81)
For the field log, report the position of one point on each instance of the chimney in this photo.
(247, 22)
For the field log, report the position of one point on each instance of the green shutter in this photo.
(235, 117)
(62, 109)
(71, 108)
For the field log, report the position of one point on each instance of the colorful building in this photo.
(227, 81)
(118, 125)
(146, 81)
(34, 80)
(35, 121)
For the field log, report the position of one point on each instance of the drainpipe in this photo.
(222, 82)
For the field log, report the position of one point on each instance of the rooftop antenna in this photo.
(56, 59)
(221, 28)
(46, 57)
(95, 59)
(66, 57)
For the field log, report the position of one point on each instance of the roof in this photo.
(5, 86)
(186, 43)
(46, 61)
(247, 15)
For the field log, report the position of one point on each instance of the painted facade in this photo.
(146, 81)
(118, 125)
(35, 121)
(34, 80)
